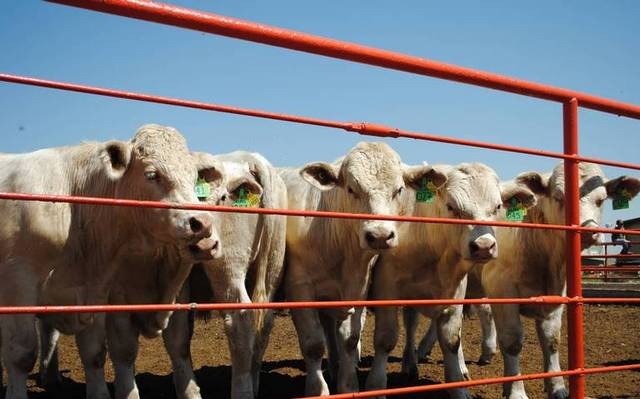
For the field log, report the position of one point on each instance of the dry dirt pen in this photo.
(612, 337)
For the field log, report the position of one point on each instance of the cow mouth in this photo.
(205, 249)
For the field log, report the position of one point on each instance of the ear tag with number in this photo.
(427, 191)
(516, 211)
(203, 189)
(247, 199)
(621, 200)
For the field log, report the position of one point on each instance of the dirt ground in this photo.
(611, 339)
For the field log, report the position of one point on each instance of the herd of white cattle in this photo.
(71, 254)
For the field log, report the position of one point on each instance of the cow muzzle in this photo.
(588, 239)
(379, 236)
(205, 249)
(483, 249)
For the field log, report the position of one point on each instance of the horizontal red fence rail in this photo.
(225, 26)
(288, 212)
(484, 381)
(611, 268)
(536, 300)
(618, 256)
(363, 128)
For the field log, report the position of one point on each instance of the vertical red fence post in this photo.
(572, 249)
(606, 262)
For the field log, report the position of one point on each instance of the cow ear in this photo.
(247, 183)
(628, 183)
(414, 175)
(535, 181)
(522, 194)
(117, 157)
(209, 168)
(321, 175)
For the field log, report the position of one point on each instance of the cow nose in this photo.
(482, 249)
(201, 225)
(205, 249)
(380, 240)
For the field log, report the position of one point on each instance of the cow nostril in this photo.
(493, 245)
(473, 247)
(195, 225)
(370, 237)
(391, 236)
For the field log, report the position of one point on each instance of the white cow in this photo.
(535, 265)
(64, 254)
(433, 260)
(331, 259)
(249, 270)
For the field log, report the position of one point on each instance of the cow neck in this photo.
(543, 251)
(438, 252)
(96, 233)
(340, 238)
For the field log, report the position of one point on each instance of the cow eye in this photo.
(398, 192)
(449, 208)
(599, 203)
(151, 175)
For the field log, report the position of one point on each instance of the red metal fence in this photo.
(220, 25)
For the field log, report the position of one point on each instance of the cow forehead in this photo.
(591, 180)
(372, 167)
(165, 148)
(473, 185)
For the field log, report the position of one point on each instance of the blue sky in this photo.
(590, 46)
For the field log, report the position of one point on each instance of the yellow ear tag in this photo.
(427, 192)
(203, 190)
(516, 211)
(254, 200)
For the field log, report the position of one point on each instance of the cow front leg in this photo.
(488, 328)
(92, 348)
(19, 352)
(261, 342)
(177, 341)
(449, 327)
(510, 338)
(122, 340)
(348, 335)
(409, 359)
(330, 329)
(311, 340)
(49, 373)
(549, 336)
(425, 347)
(385, 339)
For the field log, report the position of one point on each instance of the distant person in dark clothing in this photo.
(620, 239)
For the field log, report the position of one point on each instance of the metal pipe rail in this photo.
(226, 26)
(536, 300)
(570, 100)
(289, 212)
(363, 128)
(484, 381)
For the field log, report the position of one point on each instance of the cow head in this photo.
(473, 191)
(594, 190)
(369, 179)
(156, 166)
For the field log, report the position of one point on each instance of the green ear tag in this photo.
(427, 192)
(621, 200)
(516, 211)
(242, 200)
(203, 190)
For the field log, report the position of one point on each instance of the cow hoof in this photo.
(460, 394)
(411, 371)
(485, 359)
(560, 394)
